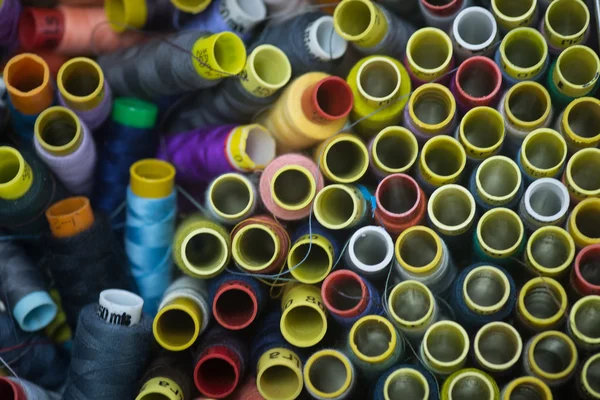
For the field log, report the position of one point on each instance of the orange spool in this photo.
(27, 79)
(70, 216)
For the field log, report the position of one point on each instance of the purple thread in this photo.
(95, 117)
(10, 10)
(74, 170)
(199, 155)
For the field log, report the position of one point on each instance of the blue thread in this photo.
(369, 197)
(378, 393)
(509, 81)
(483, 206)
(373, 307)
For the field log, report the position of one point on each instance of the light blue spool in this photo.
(34, 311)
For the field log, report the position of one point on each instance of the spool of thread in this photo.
(470, 383)
(260, 245)
(525, 107)
(171, 71)
(9, 13)
(58, 330)
(576, 123)
(451, 214)
(65, 144)
(304, 319)
(349, 297)
(559, 32)
(442, 14)
(40, 28)
(550, 252)
(313, 254)
(308, 39)
(231, 198)
(444, 348)
(400, 203)
(343, 158)
(499, 237)
(201, 248)
(431, 111)
(183, 314)
(24, 289)
(574, 74)
(169, 375)
(31, 356)
(422, 256)
(340, 206)
(541, 306)
(108, 359)
(288, 186)
(236, 300)
(583, 223)
(497, 348)
(583, 323)
(580, 175)
(552, 357)
(21, 389)
(542, 154)
(314, 107)
(481, 132)
(526, 386)
(514, 14)
(151, 211)
(129, 138)
(27, 80)
(27, 190)
(522, 56)
(283, 10)
(87, 240)
(587, 379)
(377, 82)
(393, 150)
(429, 56)
(374, 346)
(120, 307)
(584, 277)
(371, 28)
(474, 32)
(370, 252)
(497, 182)
(221, 363)
(246, 391)
(482, 294)
(82, 88)
(406, 380)
(155, 15)
(329, 374)
(191, 6)
(477, 83)
(545, 203)
(442, 161)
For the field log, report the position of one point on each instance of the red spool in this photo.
(235, 305)
(333, 285)
(217, 372)
(11, 390)
(328, 100)
(442, 7)
(588, 257)
(490, 72)
(41, 28)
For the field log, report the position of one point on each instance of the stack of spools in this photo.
(294, 199)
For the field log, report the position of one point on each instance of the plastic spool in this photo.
(511, 14)
(343, 158)
(442, 161)
(258, 247)
(550, 252)
(442, 21)
(582, 175)
(584, 278)
(589, 377)
(578, 123)
(576, 72)
(348, 297)
(360, 22)
(523, 54)
(120, 307)
(17, 176)
(323, 40)
(81, 83)
(412, 308)
(470, 383)
(561, 32)
(477, 82)
(500, 244)
(407, 383)
(370, 252)
(584, 323)
(486, 290)
(393, 150)
(552, 357)
(445, 347)
(584, 223)
(340, 206)
(279, 374)
(474, 32)
(304, 321)
(431, 110)
(497, 347)
(70, 216)
(235, 303)
(231, 198)
(329, 374)
(543, 154)
(319, 254)
(481, 132)
(545, 203)
(451, 210)
(526, 387)
(27, 80)
(537, 307)
(429, 54)
(498, 182)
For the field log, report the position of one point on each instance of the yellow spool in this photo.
(279, 374)
(394, 150)
(411, 286)
(80, 81)
(177, 325)
(498, 331)
(491, 273)
(59, 140)
(250, 147)
(191, 6)
(585, 379)
(442, 160)
(543, 153)
(267, 70)
(451, 210)
(429, 54)
(488, 223)
(549, 287)
(339, 206)
(255, 247)
(545, 375)
(152, 178)
(427, 98)
(361, 22)
(527, 93)
(498, 180)
(290, 176)
(231, 184)
(16, 176)
(527, 384)
(511, 14)
(320, 357)
(223, 55)
(579, 181)
(318, 263)
(563, 32)
(478, 385)
(393, 76)
(577, 334)
(368, 323)
(481, 132)
(421, 237)
(304, 321)
(576, 71)
(403, 375)
(546, 234)
(516, 49)
(201, 248)
(160, 387)
(343, 158)
(58, 330)
(584, 222)
(460, 339)
(579, 123)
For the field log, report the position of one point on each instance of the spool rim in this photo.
(74, 61)
(312, 190)
(239, 178)
(460, 358)
(490, 66)
(491, 250)
(454, 143)
(565, 237)
(584, 372)
(235, 244)
(433, 264)
(358, 144)
(202, 272)
(474, 10)
(573, 324)
(378, 60)
(486, 309)
(568, 130)
(74, 211)
(391, 345)
(537, 370)
(560, 191)
(296, 341)
(275, 363)
(282, 62)
(528, 86)
(404, 132)
(406, 178)
(445, 38)
(327, 353)
(448, 228)
(348, 274)
(553, 32)
(20, 183)
(157, 181)
(527, 380)
(470, 147)
(382, 235)
(579, 237)
(50, 115)
(542, 282)
(168, 344)
(294, 270)
(406, 371)
(319, 215)
(466, 374)
(561, 77)
(507, 328)
(591, 250)
(510, 19)
(428, 89)
(570, 180)
(539, 132)
(39, 88)
(239, 287)
(417, 285)
(493, 198)
(347, 36)
(525, 32)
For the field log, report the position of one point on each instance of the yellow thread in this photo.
(579, 182)
(16, 176)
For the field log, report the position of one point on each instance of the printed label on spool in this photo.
(561, 43)
(253, 87)
(318, 240)
(113, 318)
(279, 356)
(234, 17)
(163, 386)
(236, 150)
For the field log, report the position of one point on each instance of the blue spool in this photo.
(373, 307)
(23, 124)
(315, 228)
(509, 81)
(268, 336)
